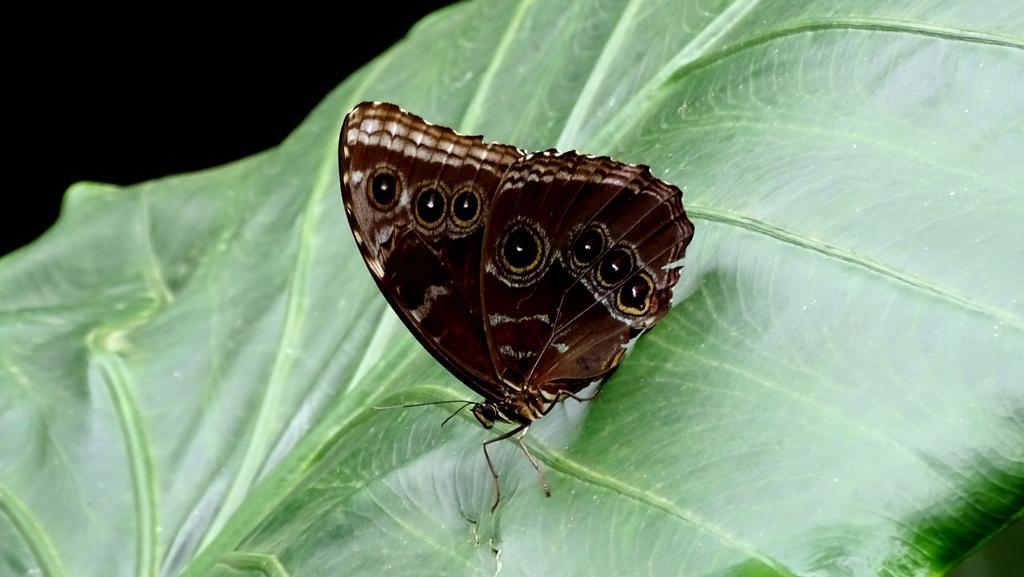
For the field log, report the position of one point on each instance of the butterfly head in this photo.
(487, 413)
(522, 408)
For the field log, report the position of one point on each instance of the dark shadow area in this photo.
(1002, 557)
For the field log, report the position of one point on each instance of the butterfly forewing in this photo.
(417, 197)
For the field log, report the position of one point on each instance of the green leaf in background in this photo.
(188, 367)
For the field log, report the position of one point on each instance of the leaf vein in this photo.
(597, 73)
(678, 69)
(476, 105)
(111, 371)
(34, 535)
(260, 438)
(764, 228)
(577, 470)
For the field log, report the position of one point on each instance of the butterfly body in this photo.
(525, 275)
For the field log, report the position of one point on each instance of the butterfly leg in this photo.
(490, 464)
(563, 394)
(582, 399)
(518, 433)
(536, 466)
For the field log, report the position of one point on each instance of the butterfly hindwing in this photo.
(417, 196)
(575, 264)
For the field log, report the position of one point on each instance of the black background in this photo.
(121, 100)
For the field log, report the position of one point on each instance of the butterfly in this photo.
(524, 274)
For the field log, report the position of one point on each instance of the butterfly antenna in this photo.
(424, 404)
(457, 411)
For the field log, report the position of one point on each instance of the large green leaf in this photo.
(188, 367)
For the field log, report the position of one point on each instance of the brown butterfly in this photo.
(525, 275)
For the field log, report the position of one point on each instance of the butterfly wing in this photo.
(417, 196)
(576, 262)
